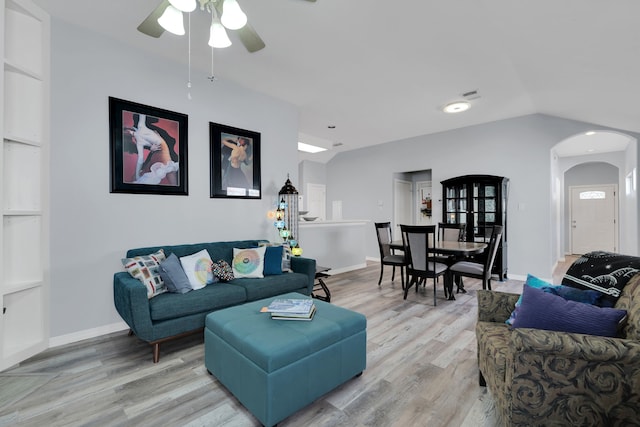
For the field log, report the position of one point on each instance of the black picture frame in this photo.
(235, 173)
(161, 142)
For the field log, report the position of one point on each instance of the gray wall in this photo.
(517, 148)
(90, 228)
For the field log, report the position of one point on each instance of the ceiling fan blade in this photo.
(250, 39)
(150, 25)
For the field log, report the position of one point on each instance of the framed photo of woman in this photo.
(148, 149)
(235, 162)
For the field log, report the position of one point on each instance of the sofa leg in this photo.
(156, 352)
(481, 379)
(130, 332)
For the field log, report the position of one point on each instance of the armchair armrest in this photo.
(305, 266)
(575, 346)
(495, 306)
(130, 299)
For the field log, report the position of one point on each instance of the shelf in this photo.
(21, 119)
(17, 68)
(11, 212)
(23, 39)
(22, 243)
(21, 176)
(23, 321)
(11, 288)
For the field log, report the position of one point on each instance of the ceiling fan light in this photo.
(218, 37)
(232, 16)
(184, 5)
(171, 20)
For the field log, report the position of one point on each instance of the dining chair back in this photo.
(387, 254)
(451, 232)
(418, 241)
(481, 270)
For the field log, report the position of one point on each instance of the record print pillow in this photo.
(197, 267)
(248, 262)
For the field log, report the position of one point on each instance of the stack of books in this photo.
(291, 309)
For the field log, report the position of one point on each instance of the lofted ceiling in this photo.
(380, 71)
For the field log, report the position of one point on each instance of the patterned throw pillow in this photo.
(248, 262)
(146, 268)
(197, 267)
(604, 272)
(222, 270)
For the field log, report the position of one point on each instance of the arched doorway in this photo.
(583, 159)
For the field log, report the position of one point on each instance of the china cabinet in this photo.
(479, 202)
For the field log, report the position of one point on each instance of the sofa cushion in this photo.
(222, 270)
(197, 267)
(586, 296)
(211, 297)
(174, 276)
(217, 250)
(273, 260)
(273, 285)
(248, 262)
(542, 310)
(605, 272)
(146, 268)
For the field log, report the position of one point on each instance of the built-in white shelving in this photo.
(24, 192)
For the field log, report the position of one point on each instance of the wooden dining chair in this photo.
(418, 242)
(482, 270)
(388, 255)
(451, 233)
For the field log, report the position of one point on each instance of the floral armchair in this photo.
(539, 377)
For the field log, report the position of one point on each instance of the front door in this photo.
(594, 218)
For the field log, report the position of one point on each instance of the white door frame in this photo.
(400, 211)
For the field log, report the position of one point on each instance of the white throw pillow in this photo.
(248, 262)
(197, 267)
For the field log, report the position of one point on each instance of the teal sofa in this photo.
(171, 315)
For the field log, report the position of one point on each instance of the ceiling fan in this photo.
(248, 36)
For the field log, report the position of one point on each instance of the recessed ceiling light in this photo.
(456, 107)
(308, 148)
(590, 133)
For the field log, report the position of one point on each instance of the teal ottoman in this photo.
(276, 367)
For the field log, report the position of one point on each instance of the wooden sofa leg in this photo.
(481, 379)
(156, 352)
(130, 332)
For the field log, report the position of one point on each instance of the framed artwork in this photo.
(235, 162)
(148, 149)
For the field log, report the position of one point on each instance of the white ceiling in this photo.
(380, 71)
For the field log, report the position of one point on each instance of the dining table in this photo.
(458, 250)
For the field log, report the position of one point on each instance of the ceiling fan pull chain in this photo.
(189, 42)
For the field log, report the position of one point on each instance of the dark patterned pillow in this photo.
(222, 270)
(605, 272)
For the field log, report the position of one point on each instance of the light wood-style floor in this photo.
(421, 371)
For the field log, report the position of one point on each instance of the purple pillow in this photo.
(542, 310)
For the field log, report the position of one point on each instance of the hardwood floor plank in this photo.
(421, 370)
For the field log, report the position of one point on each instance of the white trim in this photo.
(87, 334)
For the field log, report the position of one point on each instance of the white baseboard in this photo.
(86, 334)
(345, 269)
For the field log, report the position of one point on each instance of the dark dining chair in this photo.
(387, 254)
(418, 242)
(482, 270)
(451, 233)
